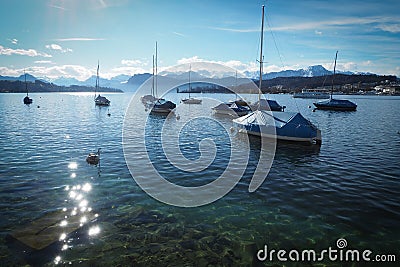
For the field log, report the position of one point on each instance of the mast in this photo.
(236, 89)
(152, 85)
(156, 75)
(261, 53)
(26, 85)
(334, 72)
(97, 79)
(190, 69)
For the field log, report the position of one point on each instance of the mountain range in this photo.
(131, 83)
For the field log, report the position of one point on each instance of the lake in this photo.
(346, 189)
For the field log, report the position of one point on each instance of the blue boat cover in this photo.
(281, 124)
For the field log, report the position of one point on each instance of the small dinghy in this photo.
(93, 158)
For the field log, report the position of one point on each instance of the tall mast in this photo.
(190, 69)
(156, 75)
(97, 79)
(152, 85)
(261, 53)
(236, 89)
(334, 72)
(26, 85)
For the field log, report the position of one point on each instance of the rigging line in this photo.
(280, 56)
(276, 46)
(326, 76)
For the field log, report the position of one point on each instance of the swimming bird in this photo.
(93, 158)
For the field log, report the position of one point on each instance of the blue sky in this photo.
(55, 38)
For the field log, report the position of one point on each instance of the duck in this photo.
(93, 158)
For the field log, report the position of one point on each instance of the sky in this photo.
(66, 38)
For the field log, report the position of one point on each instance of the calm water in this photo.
(349, 188)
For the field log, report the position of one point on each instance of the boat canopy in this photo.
(267, 104)
(285, 124)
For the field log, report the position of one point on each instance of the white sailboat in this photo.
(99, 100)
(191, 100)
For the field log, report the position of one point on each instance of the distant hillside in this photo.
(40, 86)
(342, 82)
(29, 78)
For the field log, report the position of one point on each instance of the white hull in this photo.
(191, 101)
(285, 138)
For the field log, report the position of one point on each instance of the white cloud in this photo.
(133, 62)
(57, 7)
(393, 28)
(57, 47)
(69, 71)
(124, 70)
(389, 24)
(234, 65)
(43, 62)
(13, 41)
(318, 32)
(179, 34)
(22, 52)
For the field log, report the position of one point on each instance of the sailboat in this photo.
(99, 100)
(191, 100)
(289, 126)
(336, 104)
(27, 99)
(264, 104)
(237, 107)
(160, 106)
(149, 100)
(238, 101)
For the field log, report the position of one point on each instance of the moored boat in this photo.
(99, 100)
(27, 99)
(232, 109)
(191, 100)
(288, 126)
(335, 104)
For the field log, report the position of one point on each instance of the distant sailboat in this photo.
(27, 99)
(264, 104)
(99, 100)
(150, 99)
(191, 100)
(160, 106)
(336, 104)
(239, 101)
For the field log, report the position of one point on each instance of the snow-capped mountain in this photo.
(131, 83)
(312, 71)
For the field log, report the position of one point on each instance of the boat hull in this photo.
(191, 101)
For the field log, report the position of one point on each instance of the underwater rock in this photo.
(188, 244)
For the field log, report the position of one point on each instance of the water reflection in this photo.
(78, 215)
